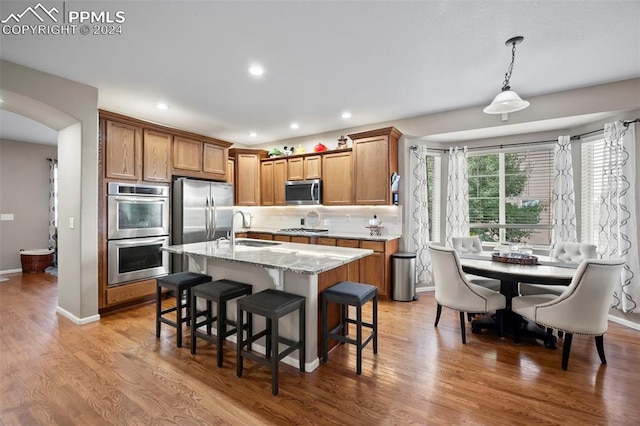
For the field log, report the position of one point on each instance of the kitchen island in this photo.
(301, 269)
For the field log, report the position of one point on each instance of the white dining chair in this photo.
(583, 308)
(473, 245)
(454, 291)
(563, 252)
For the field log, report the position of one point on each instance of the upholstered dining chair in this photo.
(563, 252)
(473, 245)
(454, 291)
(582, 308)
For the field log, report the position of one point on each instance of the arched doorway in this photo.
(70, 108)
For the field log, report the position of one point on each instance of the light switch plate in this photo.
(6, 216)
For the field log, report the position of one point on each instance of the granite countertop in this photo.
(299, 258)
(330, 234)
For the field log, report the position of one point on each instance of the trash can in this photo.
(403, 276)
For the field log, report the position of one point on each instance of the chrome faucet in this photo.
(233, 231)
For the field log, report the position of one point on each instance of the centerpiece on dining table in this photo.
(514, 253)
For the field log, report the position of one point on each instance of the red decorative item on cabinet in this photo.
(319, 148)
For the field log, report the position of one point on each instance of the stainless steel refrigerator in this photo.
(201, 211)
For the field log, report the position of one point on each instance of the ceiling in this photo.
(379, 60)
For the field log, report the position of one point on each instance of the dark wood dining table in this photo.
(509, 275)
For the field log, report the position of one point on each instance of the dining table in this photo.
(545, 271)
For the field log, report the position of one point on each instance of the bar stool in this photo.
(181, 284)
(273, 305)
(220, 292)
(347, 293)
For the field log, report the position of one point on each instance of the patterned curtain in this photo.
(618, 217)
(563, 200)
(53, 208)
(457, 195)
(419, 225)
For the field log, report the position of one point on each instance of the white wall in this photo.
(24, 193)
(72, 109)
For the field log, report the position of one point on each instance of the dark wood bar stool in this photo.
(346, 294)
(273, 305)
(220, 292)
(181, 284)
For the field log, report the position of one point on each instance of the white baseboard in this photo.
(75, 319)
(624, 322)
(425, 289)
(11, 271)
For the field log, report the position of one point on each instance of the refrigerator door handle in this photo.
(214, 215)
(206, 219)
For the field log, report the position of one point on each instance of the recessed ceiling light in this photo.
(162, 105)
(294, 126)
(346, 114)
(253, 134)
(256, 70)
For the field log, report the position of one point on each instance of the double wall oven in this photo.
(137, 227)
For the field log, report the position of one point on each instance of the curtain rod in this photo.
(625, 123)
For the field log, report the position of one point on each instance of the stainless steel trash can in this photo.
(403, 276)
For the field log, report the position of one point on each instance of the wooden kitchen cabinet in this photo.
(260, 236)
(266, 183)
(247, 175)
(375, 269)
(375, 158)
(123, 151)
(187, 154)
(353, 268)
(283, 238)
(231, 170)
(295, 169)
(313, 167)
(196, 158)
(214, 160)
(273, 175)
(279, 178)
(337, 170)
(305, 167)
(156, 153)
(326, 241)
(300, 239)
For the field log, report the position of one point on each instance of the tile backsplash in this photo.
(351, 219)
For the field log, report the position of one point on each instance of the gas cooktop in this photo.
(303, 231)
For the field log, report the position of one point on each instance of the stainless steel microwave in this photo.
(299, 192)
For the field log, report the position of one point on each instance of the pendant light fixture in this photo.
(507, 100)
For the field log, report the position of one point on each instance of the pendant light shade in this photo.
(507, 100)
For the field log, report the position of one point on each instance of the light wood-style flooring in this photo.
(115, 372)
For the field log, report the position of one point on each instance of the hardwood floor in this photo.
(115, 372)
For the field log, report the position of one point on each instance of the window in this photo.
(591, 191)
(433, 192)
(510, 195)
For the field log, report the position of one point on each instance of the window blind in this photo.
(511, 191)
(591, 191)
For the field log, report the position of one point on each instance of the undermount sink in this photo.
(251, 243)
